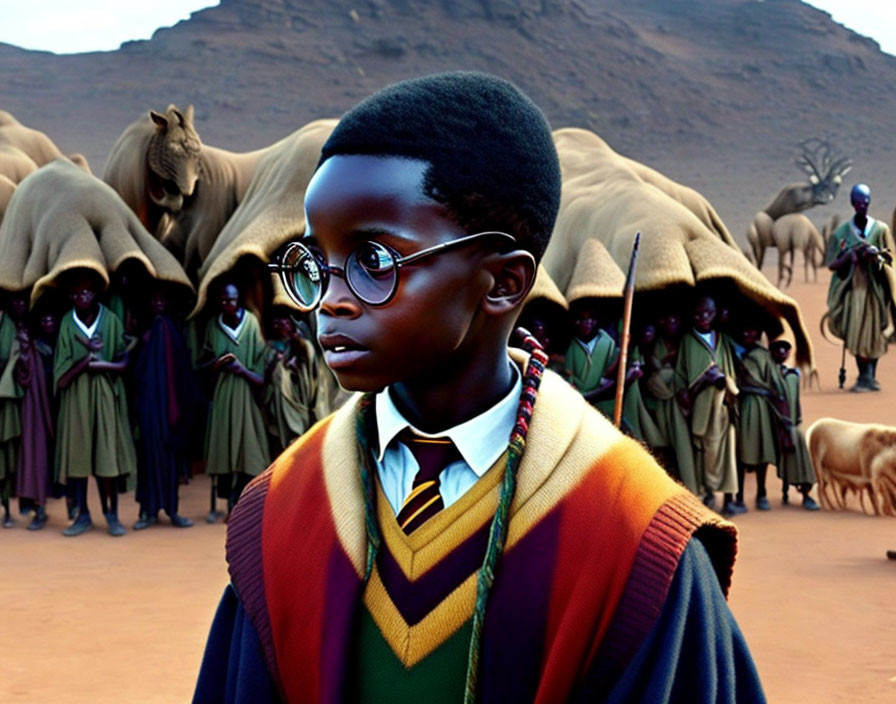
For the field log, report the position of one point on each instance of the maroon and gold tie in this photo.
(425, 501)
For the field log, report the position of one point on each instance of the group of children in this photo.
(122, 390)
(701, 391)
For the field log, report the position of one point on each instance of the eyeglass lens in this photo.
(371, 272)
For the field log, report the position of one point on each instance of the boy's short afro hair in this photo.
(492, 159)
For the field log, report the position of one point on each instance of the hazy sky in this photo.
(71, 26)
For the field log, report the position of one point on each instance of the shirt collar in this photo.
(84, 328)
(233, 333)
(480, 440)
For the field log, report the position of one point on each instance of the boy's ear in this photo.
(514, 275)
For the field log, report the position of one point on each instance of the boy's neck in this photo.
(88, 315)
(433, 405)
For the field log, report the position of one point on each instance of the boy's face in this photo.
(586, 324)
(749, 335)
(430, 325)
(704, 314)
(82, 295)
(670, 324)
(780, 353)
(48, 324)
(158, 302)
(648, 334)
(282, 327)
(229, 301)
(18, 306)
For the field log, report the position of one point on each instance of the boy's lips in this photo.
(341, 350)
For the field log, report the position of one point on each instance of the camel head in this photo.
(825, 169)
(173, 158)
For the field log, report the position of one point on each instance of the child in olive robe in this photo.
(290, 381)
(660, 385)
(759, 404)
(236, 441)
(794, 461)
(591, 360)
(10, 405)
(704, 373)
(94, 433)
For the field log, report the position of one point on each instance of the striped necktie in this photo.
(425, 501)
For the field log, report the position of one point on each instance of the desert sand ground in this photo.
(97, 619)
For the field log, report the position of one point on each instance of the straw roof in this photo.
(272, 211)
(609, 198)
(61, 218)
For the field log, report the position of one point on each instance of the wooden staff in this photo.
(629, 295)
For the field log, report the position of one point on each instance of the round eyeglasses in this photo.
(370, 270)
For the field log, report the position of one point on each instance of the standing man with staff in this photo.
(860, 298)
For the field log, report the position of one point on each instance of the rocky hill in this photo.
(716, 93)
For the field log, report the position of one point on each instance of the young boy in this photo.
(290, 381)
(794, 461)
(164, 401)
(10, 401)
(756, 427)
(704, 373)
(557, 567)
(35, 453)
(93, 431)
(660, 383)
(237, 441)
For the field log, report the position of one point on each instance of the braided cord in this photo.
(364, 428)
(498, 532)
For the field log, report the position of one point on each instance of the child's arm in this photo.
(116, 366)
(237, 368)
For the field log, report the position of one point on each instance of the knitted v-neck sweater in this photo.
(595, 535)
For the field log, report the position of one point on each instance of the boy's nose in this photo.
(338, 299)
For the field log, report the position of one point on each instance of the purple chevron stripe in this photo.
(517, 614)
(416, 599)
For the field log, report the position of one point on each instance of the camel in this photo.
(825, 176)
(854, 458)
(760, 237)
(796, 232)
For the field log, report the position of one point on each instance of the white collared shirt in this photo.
(589, 346)
(480, 442)
(233, 333)
(88, 331)
(708, 337)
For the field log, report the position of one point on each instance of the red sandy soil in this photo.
(97, 619)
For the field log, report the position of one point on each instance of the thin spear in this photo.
(629, 295)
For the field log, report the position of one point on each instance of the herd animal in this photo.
(854, 458)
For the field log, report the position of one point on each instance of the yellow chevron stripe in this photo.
(417, 489)
(420, 510)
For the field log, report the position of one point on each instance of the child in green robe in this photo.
(660, 385)
(290, 381)
(10, 418)
(794, 461)
(94, 435)
(759, 403)
(704, 373)
(236, 440)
